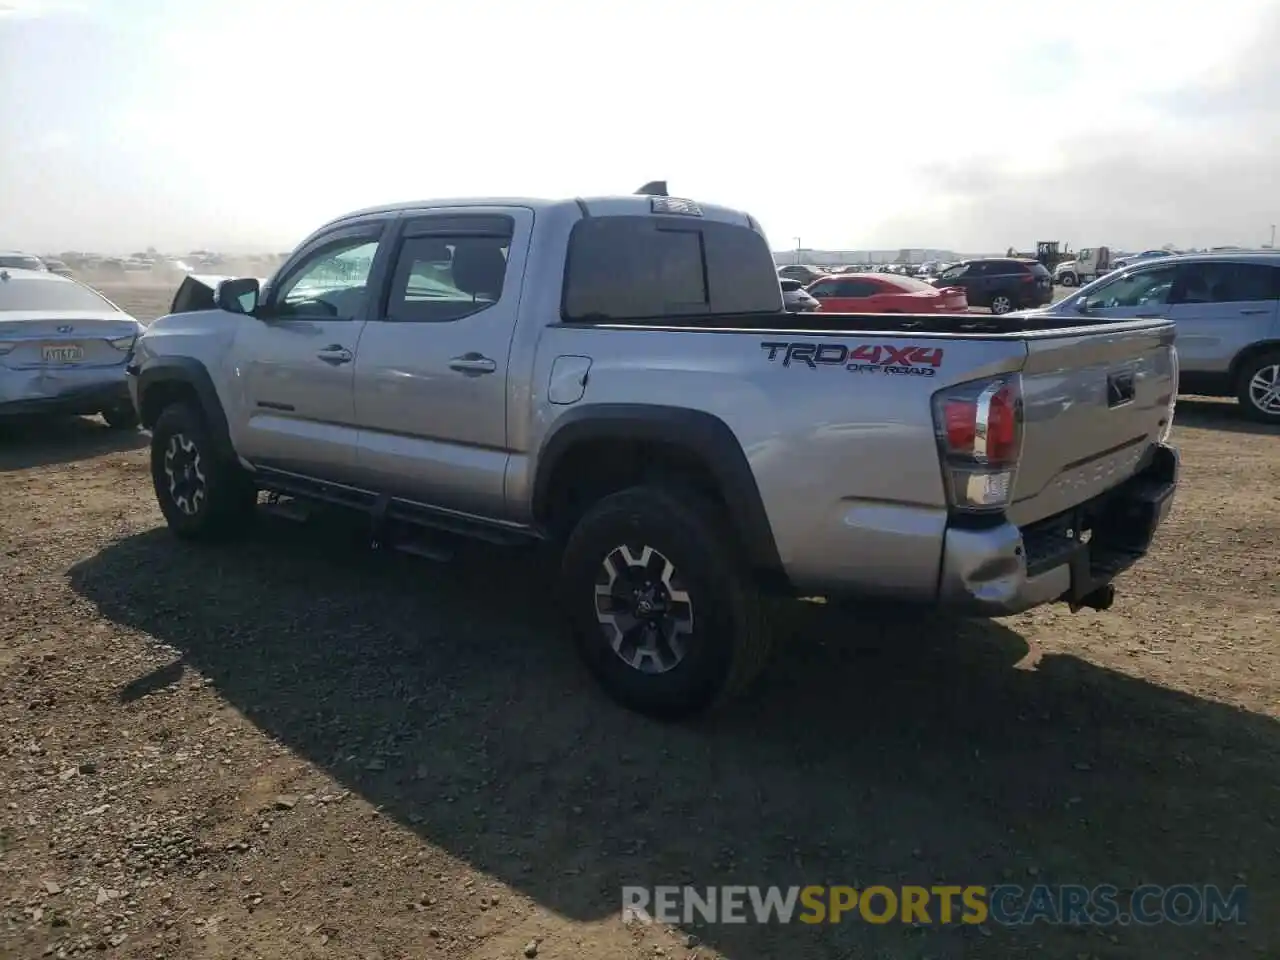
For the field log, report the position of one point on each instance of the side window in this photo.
(824, 289)
(858, 288)
(452, 272)
(1198, 282)
(1238, 282)
(329, 283)
(1136, 289)
(955, 273)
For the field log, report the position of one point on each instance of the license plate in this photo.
(73, 353)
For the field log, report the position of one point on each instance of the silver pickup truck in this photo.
(616, 377)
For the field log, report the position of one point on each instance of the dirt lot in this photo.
(292, 747)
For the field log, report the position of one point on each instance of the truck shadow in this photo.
(885, 747)
(1212, 414)
(32, 442)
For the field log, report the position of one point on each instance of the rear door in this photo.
(1220, 308)
(972, 277)
(431, 375)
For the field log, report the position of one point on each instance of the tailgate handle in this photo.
(1120, 389)
(1254, 313)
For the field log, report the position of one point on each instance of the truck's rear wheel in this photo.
(203, 496)
(664, 612)
(1258, 388)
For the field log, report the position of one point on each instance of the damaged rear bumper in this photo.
(64, 392)
(1071, 557)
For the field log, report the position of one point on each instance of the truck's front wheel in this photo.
(202, 495)
(664, 612)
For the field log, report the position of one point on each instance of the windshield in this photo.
(31, 294)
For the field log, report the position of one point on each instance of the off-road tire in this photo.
(1245, 392)
(225, 505)
(730, 640)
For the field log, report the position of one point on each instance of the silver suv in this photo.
(1226, 307)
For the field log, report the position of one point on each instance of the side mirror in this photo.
(238, 296)
(1082, 305)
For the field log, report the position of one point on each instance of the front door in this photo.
(296, 360)
(431, 376)
(1221, 307)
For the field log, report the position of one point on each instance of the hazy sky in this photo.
(968, 124)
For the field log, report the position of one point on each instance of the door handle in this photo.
(1254, 313)
(473, 363)
(335, 353)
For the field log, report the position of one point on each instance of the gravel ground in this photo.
(293, 747)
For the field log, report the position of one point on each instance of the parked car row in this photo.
(998, 284)
(17, 260)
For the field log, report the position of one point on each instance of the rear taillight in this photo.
(979, 430)
(1174, 369)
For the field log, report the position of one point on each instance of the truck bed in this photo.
(847, 458)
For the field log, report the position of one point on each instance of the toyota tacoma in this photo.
(617, 378)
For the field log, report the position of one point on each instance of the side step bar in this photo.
(388, 516)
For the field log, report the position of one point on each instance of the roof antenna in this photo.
(654, 188)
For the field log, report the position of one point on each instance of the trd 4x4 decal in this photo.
(865, 358)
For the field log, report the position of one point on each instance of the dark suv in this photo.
(1003, 284)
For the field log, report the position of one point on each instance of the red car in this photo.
(885, 293)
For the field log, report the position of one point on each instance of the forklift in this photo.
(1048, 255)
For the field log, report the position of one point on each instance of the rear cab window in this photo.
(643, 268)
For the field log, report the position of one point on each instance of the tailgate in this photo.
(1095, 400)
